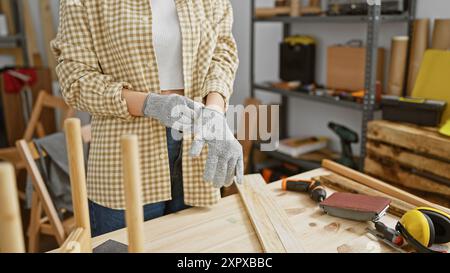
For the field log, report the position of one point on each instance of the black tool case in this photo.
(412, 110)
(298, 62)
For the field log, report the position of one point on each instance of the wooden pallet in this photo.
(414, 158)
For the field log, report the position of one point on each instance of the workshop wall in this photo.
(267, 38)
(269, 35)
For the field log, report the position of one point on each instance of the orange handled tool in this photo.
(315, 190)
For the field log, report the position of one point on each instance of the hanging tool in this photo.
(347, 137)
(312, 187)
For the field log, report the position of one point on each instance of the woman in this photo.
(136, 66)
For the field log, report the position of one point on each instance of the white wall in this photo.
(309, 118)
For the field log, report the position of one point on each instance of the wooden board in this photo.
(226, 228)
(270, 222)
(398, 176)
(410, 137)
(409, 159)
(271, 12)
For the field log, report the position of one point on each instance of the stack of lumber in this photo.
(414, 158)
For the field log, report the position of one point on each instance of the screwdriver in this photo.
(315, 190)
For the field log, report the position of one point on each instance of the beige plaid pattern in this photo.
(103, 46)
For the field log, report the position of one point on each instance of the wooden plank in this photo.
(380, 185)
(16, 53)
(271, 12)
(134, 214)
(410, 137)
(72, 129)
(340, 183)
(49, 32)
(271, 223)
(396, 175)
(34, 55)
(7, 9)
(11, 235)
(408, 159)
(437, 199)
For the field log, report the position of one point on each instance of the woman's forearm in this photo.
(135, 102)
(216, 102)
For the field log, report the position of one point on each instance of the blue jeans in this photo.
(105, 220)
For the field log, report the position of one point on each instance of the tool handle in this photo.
(390, 234)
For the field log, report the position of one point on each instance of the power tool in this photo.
(347, 137)
(313, 187)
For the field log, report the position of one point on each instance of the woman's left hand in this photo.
(225, 156)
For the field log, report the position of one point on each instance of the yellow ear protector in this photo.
(423, 227)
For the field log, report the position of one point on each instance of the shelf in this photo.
(10, 41)
(306, 96)
(304, 164)
(333, 19)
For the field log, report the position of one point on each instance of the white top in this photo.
(167, 44)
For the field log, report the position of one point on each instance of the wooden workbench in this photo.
(226, 227)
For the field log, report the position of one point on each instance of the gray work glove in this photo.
(225, 158)
(173, 111)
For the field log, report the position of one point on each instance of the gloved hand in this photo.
(173, 111)
(225, 158)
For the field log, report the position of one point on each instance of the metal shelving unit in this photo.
(374, 19)
(307, 96)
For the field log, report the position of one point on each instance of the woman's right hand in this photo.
(173, 111)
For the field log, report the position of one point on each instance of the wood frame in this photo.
(44, 100)
(270, 222)
(11, 236)
(79, 241)
(50, 224)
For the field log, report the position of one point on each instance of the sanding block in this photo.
(355, 207)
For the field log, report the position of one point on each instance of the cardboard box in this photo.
(346, 67)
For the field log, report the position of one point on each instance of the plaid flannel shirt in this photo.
(104, 46)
